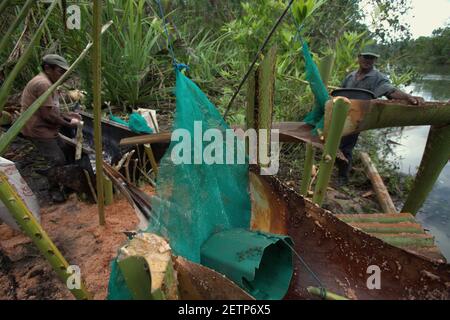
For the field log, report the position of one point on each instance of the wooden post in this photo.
(109, 198)
(381, 191)
(435, 157)
(31, 227)
(260, 98)
(149, 152)
(266, 92)
(326, 67)
(333, 138)
(97, 99)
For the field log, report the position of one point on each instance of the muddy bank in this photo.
(74, 228)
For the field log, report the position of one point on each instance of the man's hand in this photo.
(74, 122)
(73, 115)
(417, 101)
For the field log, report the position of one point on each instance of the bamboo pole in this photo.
(381, 191)
(22, 15)
(328, 295)
(97, 99)
(435, 157)
(307, 169)
(8, 136)
(9, 81)
(31, 227)
(333, 138)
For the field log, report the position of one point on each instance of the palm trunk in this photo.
(436, 155)
(333, 139)
(31, 227)
(374, 114)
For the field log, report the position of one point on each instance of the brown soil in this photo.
(74, 228)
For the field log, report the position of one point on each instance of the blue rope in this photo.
(175, 63)
(298, 35)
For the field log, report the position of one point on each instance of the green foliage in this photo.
(302, 9)
(347, 48)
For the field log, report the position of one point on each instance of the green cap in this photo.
(54, 59)
(369, 51)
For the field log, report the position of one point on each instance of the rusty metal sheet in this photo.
(340, 254)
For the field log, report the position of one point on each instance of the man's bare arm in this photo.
(400, 95)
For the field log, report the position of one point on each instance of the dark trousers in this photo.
(348, 143)
(51, 150)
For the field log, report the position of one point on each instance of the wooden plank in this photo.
(163, 137)
(265, 95)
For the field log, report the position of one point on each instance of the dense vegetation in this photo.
(218, 39)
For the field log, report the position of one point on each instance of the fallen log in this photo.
(381, 191)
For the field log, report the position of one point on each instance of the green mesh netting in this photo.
(136, 123)
(197, 200)
(316, 117)
(194, 201)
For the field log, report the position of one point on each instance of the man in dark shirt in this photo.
(43, 127)
(369, 78)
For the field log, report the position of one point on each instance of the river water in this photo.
(435, 214)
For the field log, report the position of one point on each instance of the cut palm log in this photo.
(147, 267)
(380, 189)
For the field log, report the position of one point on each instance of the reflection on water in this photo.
(435, 214)
(432, 87)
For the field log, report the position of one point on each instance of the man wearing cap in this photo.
(369, 78)
(43, 127)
